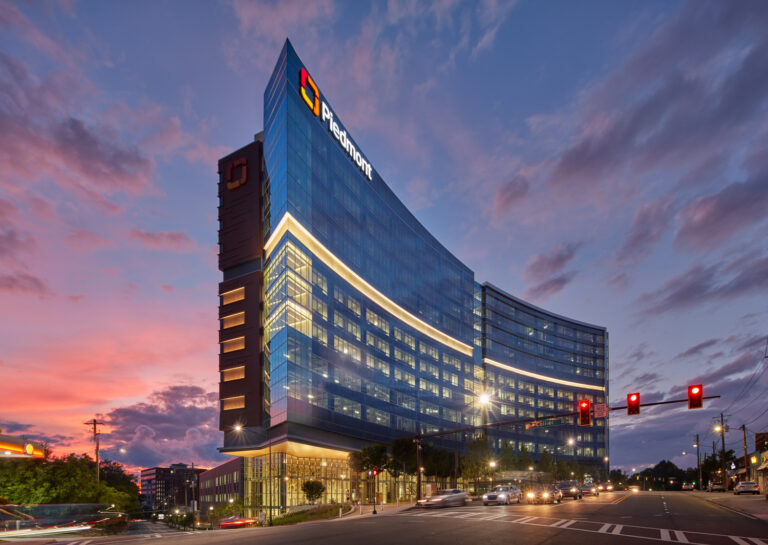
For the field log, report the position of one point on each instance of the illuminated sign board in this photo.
(16, 447)
(323, 111)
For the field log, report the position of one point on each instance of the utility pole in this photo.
(96, 434)
(722, 460)
(698, 460)
(418, 468)
(746, 463)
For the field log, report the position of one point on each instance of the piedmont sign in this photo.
(314, 104)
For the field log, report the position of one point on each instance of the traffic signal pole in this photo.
(698, 460)
(746, 464)
(722, 459)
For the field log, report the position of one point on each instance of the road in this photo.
(611, 519)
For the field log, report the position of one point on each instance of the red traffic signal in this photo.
(695, 396)
(585, 412)
(375, 472)
(633, 403)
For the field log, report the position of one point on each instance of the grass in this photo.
(317, 513)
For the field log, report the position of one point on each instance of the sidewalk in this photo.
(757, 506)
(385, 509)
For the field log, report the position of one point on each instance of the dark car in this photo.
(570, 489)
(589, 490)
(544, 494)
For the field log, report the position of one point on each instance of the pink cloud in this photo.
(23, 283)
(168, 240)
(550, 264)
(84, 240)
(708, 221)
(651, 221)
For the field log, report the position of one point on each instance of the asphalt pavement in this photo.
(610, 519)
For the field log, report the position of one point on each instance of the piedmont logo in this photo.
(313, 103)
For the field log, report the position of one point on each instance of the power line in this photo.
(752, 380)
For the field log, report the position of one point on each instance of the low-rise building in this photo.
(221, 484)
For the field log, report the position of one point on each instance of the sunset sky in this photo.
(607, 161)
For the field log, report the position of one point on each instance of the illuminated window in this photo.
(378, 391)
(451, 415)
(376, 416)
(320, 308)
(320, 334)
(377, 363)
(405, 401)
(453, 361)
(238, 343)
(428, 350)
(447, 393)
(320, 281)
(233, 320)
(232, 296)
(451, 377)
(405, 424)
(346, 407)
(404, 376)
(429, 409)
(346, 347)
(405, 357)
(377, 321)
(379, 344)
(428, 386)
(429, 369)
(229, 403)
(233, 373)
(405, 338)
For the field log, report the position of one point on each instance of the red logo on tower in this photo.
(314, 102)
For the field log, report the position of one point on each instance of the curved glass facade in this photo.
(372, 330)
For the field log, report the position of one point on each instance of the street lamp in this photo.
(718, 428)
(485, 399)
(492, 465)
(210, 515)
(571, 442)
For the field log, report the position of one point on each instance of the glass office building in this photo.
(345, 322)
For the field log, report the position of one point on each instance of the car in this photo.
(570, 489)
(544, 494)
(237, 522)
(634, 488)
(715, 487)
(589, 490)
(505, 494)
(608, 487)
(746, 487)
(688, 486)
(446, 498)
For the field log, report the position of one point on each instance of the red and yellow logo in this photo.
(314, 102)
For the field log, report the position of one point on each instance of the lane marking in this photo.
(665, 535)
(621, 499)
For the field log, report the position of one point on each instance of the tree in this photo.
(67, 479)
(475, 463)
(545, 462)
(313, 490)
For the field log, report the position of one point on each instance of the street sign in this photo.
(601, 410)
(544, 423)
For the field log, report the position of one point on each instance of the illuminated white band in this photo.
(289, 224)
(543, 377)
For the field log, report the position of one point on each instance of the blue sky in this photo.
(606, 160)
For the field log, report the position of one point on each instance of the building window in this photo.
(229, 403)
(405, 338)
(233, 320)
(376, 416)
(347, 348)
(405, 357)
(230, 345)
(233, 373)
(379, 344)
(232, 296)
(377, 321)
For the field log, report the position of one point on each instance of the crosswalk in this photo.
(607, 528)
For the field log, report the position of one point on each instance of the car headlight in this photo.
(573, 490)
(485, 496)
(545, 495)
(531, 495)
(503, 496)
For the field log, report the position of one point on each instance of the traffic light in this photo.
(374, 472)
(695, 396)
(633, 403)
(585, 412)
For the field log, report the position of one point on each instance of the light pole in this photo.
(607, 468)
(210, 516)
(492, 465)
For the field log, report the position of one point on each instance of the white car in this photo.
(446, 498)
(503, 495)
(746, 487)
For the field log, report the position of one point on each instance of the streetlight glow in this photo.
(492, 464)
(238, 427)
(485, 399)
(571, 442)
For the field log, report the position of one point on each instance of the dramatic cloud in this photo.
(546, 272)
(686, 95)
(701, 284)
(24, 283)
(177, 424)
(650, 223)
(708, 221)
(697, 349)
(510, 193)
(171, 240)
